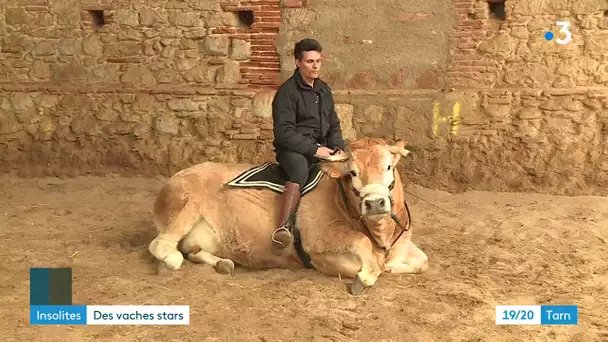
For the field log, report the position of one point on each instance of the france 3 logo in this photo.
(564, 30)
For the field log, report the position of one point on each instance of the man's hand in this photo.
(324, 152)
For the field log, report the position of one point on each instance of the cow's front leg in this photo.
(408, 259)
(344, 252)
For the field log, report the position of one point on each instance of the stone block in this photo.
(229, 73)
(586, 6)
(520, 32)
(126, 17)
(86, 124)
(148, 17)
(92, 45)
(14, 43)
(8, 123)
(185, 19)
(180, 105)
(529, 113)
(562, 103)
(498, 111)
(122, 49)
(219, 106)
(372, 114)
(43, 48)
(137, 74)
(14, 16)
(171, 32)
(21, 101)
(107, 114)
(69, 46)
(596, 43)
(166, 125)
(40, 70)
(370, 120)
(46, 101)
(240, 50)
(207, 5)
(345, 114)
(216, 45)
(501, 45)
(412, 127)
(262, 104)
(195, 33)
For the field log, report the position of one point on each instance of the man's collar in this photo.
(318, 85)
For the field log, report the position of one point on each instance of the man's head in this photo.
(307, 53)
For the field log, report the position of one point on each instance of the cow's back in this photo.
(240, 220)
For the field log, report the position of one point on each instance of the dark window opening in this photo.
(497, 9)
(606, 13)
(98, 18)
(245, 18)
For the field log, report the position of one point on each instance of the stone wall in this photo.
(157, 86)
(486, 103)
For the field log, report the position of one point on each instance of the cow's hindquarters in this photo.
(201, 245)
(183, 228)
(173, 222)
(213, 224)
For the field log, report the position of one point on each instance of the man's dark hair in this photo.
(304, 45)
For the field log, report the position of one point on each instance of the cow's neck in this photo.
(383, 232)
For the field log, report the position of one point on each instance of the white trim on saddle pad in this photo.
(242, 180)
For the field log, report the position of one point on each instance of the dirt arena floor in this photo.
(485, 249)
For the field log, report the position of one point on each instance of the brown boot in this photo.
(281, 237)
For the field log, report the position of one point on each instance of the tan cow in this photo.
(354, 223)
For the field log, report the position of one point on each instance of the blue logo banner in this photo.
(559, 314)
(58, 314)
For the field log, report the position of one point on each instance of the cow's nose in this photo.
(375, 205)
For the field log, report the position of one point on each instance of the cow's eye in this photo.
(353, 173)
(388, 168)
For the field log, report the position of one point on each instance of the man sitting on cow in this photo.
(306, 126)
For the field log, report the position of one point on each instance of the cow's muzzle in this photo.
(375, 206)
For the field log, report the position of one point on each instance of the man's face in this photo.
(310, 64)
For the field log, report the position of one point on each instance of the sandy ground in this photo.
(490, 249)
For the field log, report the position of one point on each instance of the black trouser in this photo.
(296, 166)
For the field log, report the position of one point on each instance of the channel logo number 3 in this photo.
(564, 28)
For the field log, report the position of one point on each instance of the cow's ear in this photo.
(399, 151)
(334, 169)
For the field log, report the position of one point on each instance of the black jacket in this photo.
(304, 116)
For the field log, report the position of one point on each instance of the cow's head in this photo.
(370, 163)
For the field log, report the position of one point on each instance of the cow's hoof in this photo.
(357, 287)
(163, 270)
(225, 266)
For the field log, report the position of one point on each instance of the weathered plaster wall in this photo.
(165, 84)
(374, 45)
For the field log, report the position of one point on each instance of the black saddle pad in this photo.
(271, 176)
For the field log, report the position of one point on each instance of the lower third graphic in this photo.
(537, 314)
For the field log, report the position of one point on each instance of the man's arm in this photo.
(284, 122)
(335, 140)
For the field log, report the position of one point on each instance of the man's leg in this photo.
(296, 168)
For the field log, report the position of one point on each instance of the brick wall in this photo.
(468, 69)
(262, 70)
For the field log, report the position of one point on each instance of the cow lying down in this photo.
(352, 220)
